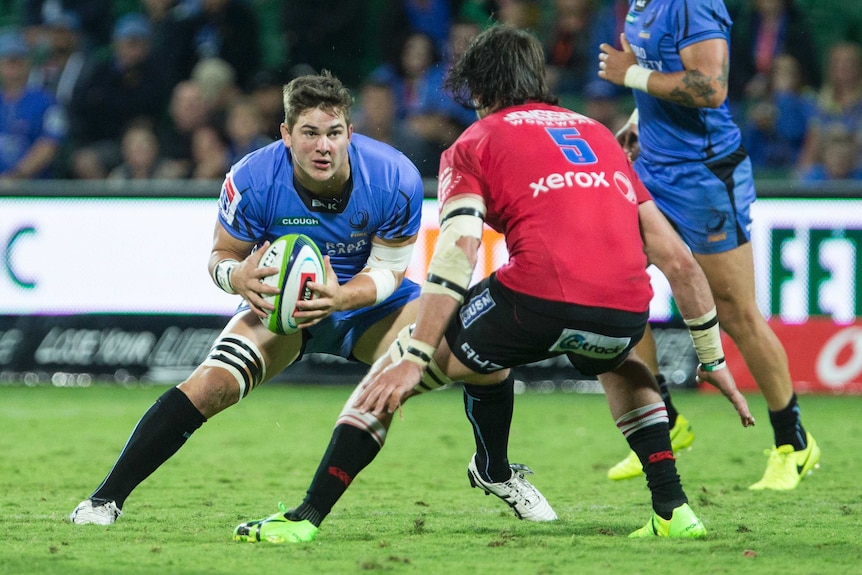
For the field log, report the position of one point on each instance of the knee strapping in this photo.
(364, 421)
(241, 358)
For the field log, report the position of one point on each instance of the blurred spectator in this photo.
(172, 36)
(32, 124)
(407, 71)
(430, 115)
(229, 30)
(525, 14)
(839, 101)
(437, 118)
(762, 30)
(602, 103)
(217, 80)
(430, 17)
(776, 122)
(244, 129)
(376, 116)
(572, 44)
(187, 112)
(330, 36)
(838, 158)
(95, 17)
(268, 94)
(141, 158)
(125, 87)
(61, 68)
(210, 154)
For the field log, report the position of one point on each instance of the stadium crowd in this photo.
(94, 89)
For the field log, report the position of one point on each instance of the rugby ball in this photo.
(299, 262)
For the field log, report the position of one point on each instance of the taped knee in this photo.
(433, 377)
(364, 421)
(241, 358)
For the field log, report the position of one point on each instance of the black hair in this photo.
(504, 66)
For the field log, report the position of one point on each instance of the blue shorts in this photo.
(709, 203)
(338, 334)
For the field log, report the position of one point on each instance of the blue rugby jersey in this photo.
(669, 133)
(259, 201)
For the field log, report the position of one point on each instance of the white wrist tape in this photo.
(385, 282)
(706, 337)
(637, 77)
(419, 352)
(221, 274)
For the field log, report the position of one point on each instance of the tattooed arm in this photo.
(703, 83)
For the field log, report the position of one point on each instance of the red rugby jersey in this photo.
(559, 187)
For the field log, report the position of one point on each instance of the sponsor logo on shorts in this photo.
(482, 365)
(557, 181)
(476, 308)
(589, 344)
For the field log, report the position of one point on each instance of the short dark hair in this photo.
(323, 91)
(504, 66)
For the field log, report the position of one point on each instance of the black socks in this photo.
(652, 446)
(787, 426)
(350, 450)
(162, 430)
(489, 409)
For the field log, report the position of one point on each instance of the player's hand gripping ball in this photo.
(299, 262)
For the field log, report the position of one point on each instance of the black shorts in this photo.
(497, 328)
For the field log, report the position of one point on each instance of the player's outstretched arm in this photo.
(723, 381)
(666, 250)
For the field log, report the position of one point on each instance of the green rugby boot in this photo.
(684, 524)
(276, 529)
(786, 468)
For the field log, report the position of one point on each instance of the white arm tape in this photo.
(385, 282)
(221, 274)
(396, 258)
(637, 77)
(706, 337)
(450, 271)
(383, 263)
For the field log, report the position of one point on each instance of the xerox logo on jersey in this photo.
(476, 307)
(545, 118)
(624, 185)
(229, 199)
(589, 344)
(556, 181)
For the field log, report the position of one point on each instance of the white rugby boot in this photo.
(88, 514)
(518, 493)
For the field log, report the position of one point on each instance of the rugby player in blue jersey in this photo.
(361, 202)
(689, 154)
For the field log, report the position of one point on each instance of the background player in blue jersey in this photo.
(689, 155)
(360, 201)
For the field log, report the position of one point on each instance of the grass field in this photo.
(412, 510)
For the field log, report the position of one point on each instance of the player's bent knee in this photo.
(240, 357)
